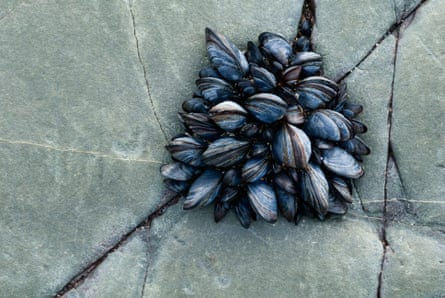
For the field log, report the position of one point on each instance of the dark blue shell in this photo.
(204, 189)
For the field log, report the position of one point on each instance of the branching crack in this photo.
(169, 199)
(403, 21)
(144, 69)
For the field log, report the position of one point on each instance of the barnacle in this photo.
(265, 134)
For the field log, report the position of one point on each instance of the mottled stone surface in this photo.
(347, 30)
(370, 85)
(415, 262)
(74, 108)
(419, 105)
(198, 257)
(121, 274)
(175, 51)
(89, 92)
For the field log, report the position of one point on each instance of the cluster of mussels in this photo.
(266, 132)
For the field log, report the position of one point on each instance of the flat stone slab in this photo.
(418, 136)
(314, 259)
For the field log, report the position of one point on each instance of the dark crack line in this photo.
(404, 21)
(147, 267)
(144, 69)
(145, 224)
(383, 238)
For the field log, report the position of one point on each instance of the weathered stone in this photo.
(121, 274)
(370, 85)
(172, 41)
(70, 77)
(405, 7)
(415, 262)
(62, 210)
(346, 31)
(313, 259)
(419, 105)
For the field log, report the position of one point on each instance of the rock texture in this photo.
(89, 92)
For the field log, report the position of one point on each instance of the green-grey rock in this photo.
(346, 31)
(419, 105)
(172, 41)
(415, 262)
(337, 258)
(80, 148)
(62, 210)
(121, 274)
(370, 85)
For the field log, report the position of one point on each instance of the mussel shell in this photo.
(291, 74)
(342, 163)
(287, 204)
(266, 107)
(336, 206)
(204, 189)
(328, 125)
(250, 129)
(254, 169)
(358, 127)
(351, 110)
(220, 211)
(305, 57)
(228, 115)
(356, 146)
(176, 186)
(225, 56)
(244, 212)
(225, 152)
(209, 72)
(341, 189)
(285, 182)
(232, 177)
(315, 188)
(262, 199)
(291, 146)
(178, 171)
(228, 194)
(264, 80)
(215, 90)
(187, 149)
(194, 105)
(199, 124)
(276, 46)
(259, 149)
(295, 115)
(254, 55)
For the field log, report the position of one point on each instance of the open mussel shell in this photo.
(275, 46)
(228, 115)
(287, 204)
(225, 152)
(254, 169)
(225, 56)
(178, 171)
(199, 124)
(315, 188)
(328, 125)
(215, 90)
(187, 149)
(204, 189)
(262, 199)
(291, 146)
(341, 163)
(266, 107)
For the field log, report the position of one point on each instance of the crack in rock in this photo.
(169, 199)
(144, 69)
(404, 21)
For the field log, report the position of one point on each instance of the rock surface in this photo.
(89, 92)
